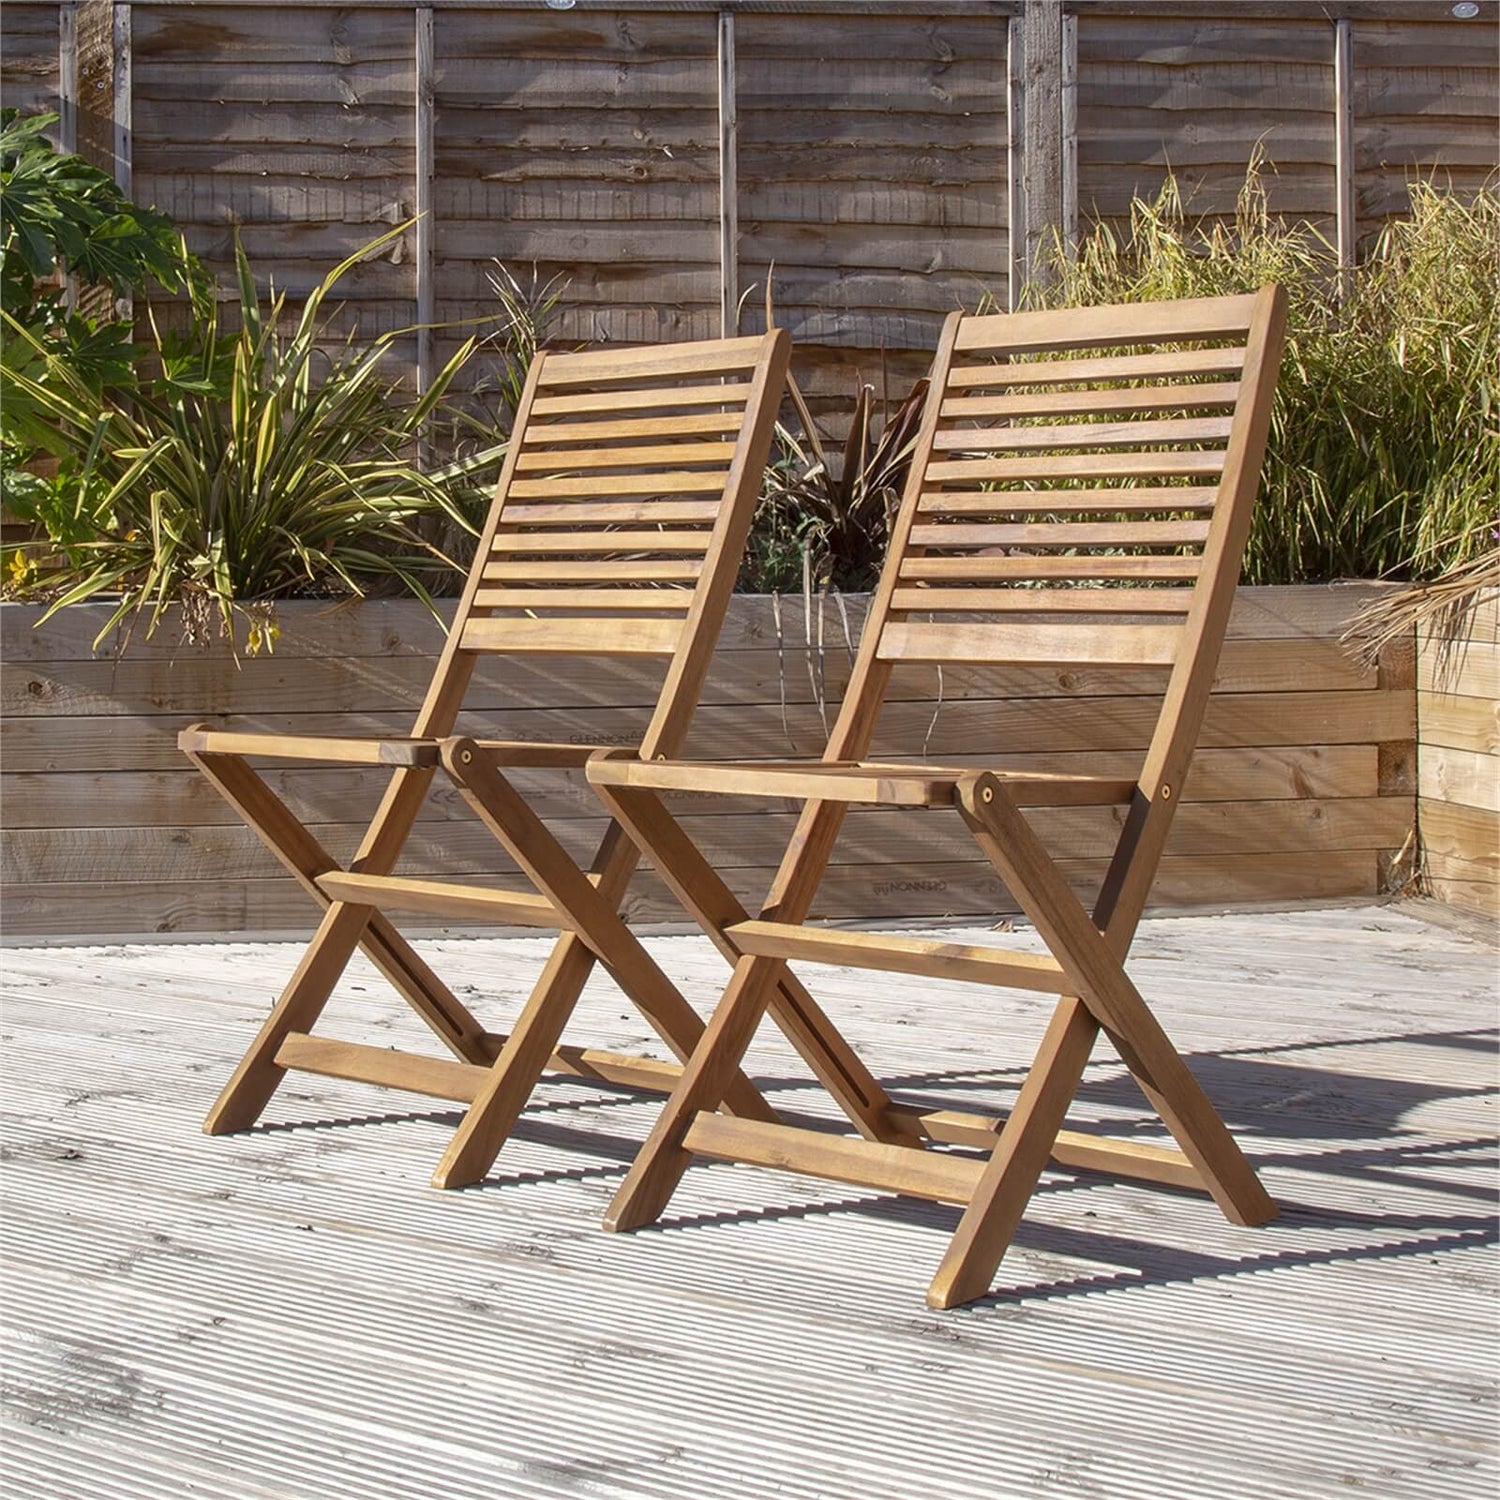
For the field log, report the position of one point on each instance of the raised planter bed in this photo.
(1304, 786)
(1458, 756)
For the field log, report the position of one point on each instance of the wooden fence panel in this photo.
(1198, 95)
(869, 156)
(1426, 104)
(291, 128)
(872, 172)
(582, 145)
(29, 72)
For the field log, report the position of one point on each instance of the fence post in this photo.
(729, 192)
(1043, 162)
(1343, 140)
(67, 76)
(95, 75)
(1015, 161)
(425, 167)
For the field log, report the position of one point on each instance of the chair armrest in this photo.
(881, 783)
(339, 749)
(809, 781)
(536, 752)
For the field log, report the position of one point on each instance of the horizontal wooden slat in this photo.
(1460, 776)
(889, 784)
(1061, 534)
(598, 601)
(1081, 435)
(1037, 645)
(731, 392)
(608, 637)
(665, 455)
(445, 1078)
(610, 512)
(897, 1169)
(605, 570)
(345, 750)
(604, 486)
(719, 357)
(390, 892)
(1070, 501)
(1266, 714)
(1096, 402)
(986, 569)
(1172, 601)
(892, 786)
(902, 955)
(630, 540)
(1076, 328)
(1103, 367)
(1153, 462)
(908, 890)
(1139, 1160)
(694, 424)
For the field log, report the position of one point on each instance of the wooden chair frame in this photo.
(1045, 599)
(685, 432)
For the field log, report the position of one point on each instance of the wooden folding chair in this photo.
(1080, 496)
(616, 531)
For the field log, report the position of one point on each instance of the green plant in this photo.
(246, 465)
(1384, 457)
(824, 523)
(527, 313)
(67, 231)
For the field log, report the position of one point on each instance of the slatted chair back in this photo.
(1080, 496)
(620, 515)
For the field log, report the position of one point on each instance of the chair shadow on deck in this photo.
(1261, 1098)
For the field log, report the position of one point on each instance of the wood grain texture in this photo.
(1458, 759)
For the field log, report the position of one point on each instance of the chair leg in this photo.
(1026, 1140)
(658, 1168)
(703, 893)
(518, 1069)
(600, 933)
(1008, 841)
(258, 1075)
(269, 818)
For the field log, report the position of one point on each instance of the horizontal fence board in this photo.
(1240, 719)
(29, 71)
(595, 33)
(1468, 835)
(849, 892)
(183, 798)
(1467, 669)
(222, 81)
(1459, 776)
(406, 627)
(870, 837)
(298, 685)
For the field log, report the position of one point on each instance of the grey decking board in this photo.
(774, 1340)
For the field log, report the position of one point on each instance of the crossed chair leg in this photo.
(493, 1074)
(993, 1191)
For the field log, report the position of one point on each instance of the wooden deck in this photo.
(294, 1313)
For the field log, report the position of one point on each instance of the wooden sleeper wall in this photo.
(1303, 787)
(1458, 758)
